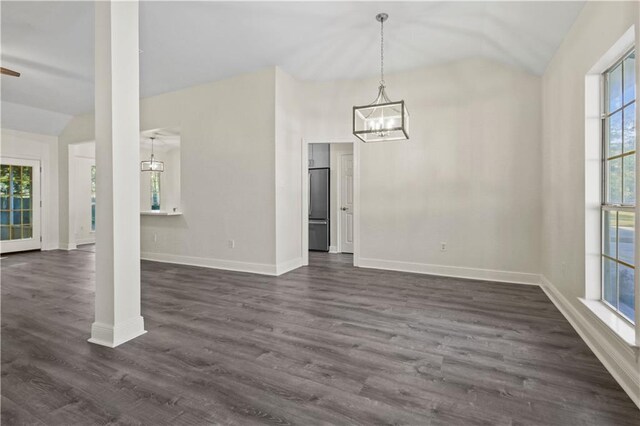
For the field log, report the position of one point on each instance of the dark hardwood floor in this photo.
(325, 344)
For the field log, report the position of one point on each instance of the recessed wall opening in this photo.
(329, 195)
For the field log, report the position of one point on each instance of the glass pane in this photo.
(614, 134)
(4, 218)
(17, 203)
(615, 88)
(625, 296)
(26, 203)
(16, 233)
(630, 128)
(626, 237)
(609, 281)
(4, 179)
(26, 217)
(15, 180)
(4, 233)
(609, 237)
(629, 189)
(155, 191)
(629, 78)
(614, 181)
(26, 181)
(17, 217)
(4, 203)
(27, 232)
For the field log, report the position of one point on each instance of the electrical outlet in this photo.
(443, 246)
(231, 243)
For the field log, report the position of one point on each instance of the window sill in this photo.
(160, 213)
(623, 329)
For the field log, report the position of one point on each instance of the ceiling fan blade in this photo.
(7, 71)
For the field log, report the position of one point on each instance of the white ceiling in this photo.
(165, 139)
(188, 43)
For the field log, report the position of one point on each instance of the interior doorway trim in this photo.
(304, 171)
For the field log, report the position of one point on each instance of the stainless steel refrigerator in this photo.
(319, 209)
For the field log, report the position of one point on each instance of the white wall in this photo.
(469, 176)
(597, 28)
(288, 156)
(335, 151)
(227, 173)
(82, 158)
(16, 144)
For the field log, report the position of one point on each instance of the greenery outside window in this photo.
(16, 206)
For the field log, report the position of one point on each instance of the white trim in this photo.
(290, 265)
(452, 271)
(88, 240)
(619, 366)
(228, 265)
(333, 249)
(114, 335)
(68, 246)
(623, 329)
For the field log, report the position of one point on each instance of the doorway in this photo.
(19, 205)
(330, 164)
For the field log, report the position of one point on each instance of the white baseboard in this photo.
(67, 246)
(451, 271)
(117, 334)
(290, 265)
(618, 365)
(228, 265)
(81, 241)
(333, 249)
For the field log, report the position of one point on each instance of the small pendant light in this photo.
(383, 119)
(152, 165)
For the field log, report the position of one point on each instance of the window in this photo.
(619, 186)
(93, 198)
(16, 208)
(155, 190)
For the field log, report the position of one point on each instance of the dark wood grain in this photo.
(325, 344)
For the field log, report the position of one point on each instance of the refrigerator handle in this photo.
(309, 194)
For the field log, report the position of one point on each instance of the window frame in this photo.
(621, 207)
(93, 198)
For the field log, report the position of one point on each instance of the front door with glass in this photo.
(19, 205)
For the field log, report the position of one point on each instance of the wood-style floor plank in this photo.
(325, 344)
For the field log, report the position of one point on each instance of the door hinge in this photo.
(40, 238)
(40, 169)
(40, 203)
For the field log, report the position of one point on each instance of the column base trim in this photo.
(114, 335)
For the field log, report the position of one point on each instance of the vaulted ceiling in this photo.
(188, 43)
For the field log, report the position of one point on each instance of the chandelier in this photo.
(382, 120)
(152, 165)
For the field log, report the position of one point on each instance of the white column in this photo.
(117, 300)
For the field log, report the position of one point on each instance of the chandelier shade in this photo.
(152, 165)
(382, 120)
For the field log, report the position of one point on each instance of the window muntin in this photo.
(619, 187)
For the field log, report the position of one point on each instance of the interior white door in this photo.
(346, 203)
(19, 205)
